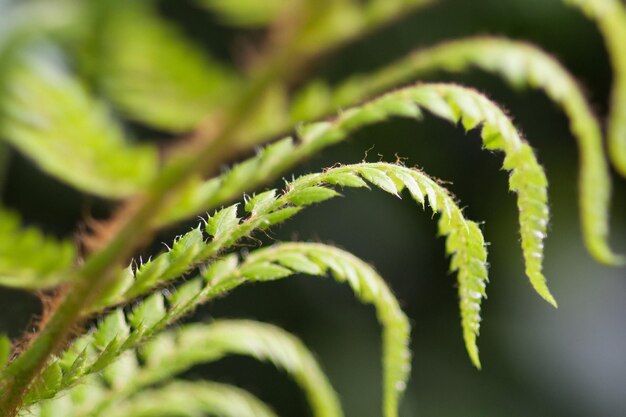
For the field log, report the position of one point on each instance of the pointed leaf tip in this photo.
(539, 284)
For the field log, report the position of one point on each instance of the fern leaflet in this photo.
(49, 117)
(155, 75)
(28, 259)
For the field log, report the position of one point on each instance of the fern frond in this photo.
(265, 210)
(464, 239)
(451, 102)
(522, 65)
(472, 109)
(119, 332)
(155, 75)
(180, 398)
(610, 16)
(173, 352)
(317, 259)
(49, 117)
(531, 199)
(28, 259)
(193, 399)
(525, 65)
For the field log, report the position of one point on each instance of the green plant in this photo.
(51, 72)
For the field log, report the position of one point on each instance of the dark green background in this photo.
(537, 361)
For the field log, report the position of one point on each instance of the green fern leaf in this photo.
(86, 356)
(173, 352)
(367, 285)
(464, 241)
(523, 65)
(610, 16)
(28, 259)
(222, 222)
(260, 203)
(127, 349)
(337, 21)
(390, 178)
(199, 343)
(155, 75)
(455, 103)
(380, 179)
(193, 399)
(149, 313)
(47, 113)
(49, 383)
(265, 272)
(311, 195)
(113, 326)
(175, 398)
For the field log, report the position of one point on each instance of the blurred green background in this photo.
(537, 361)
